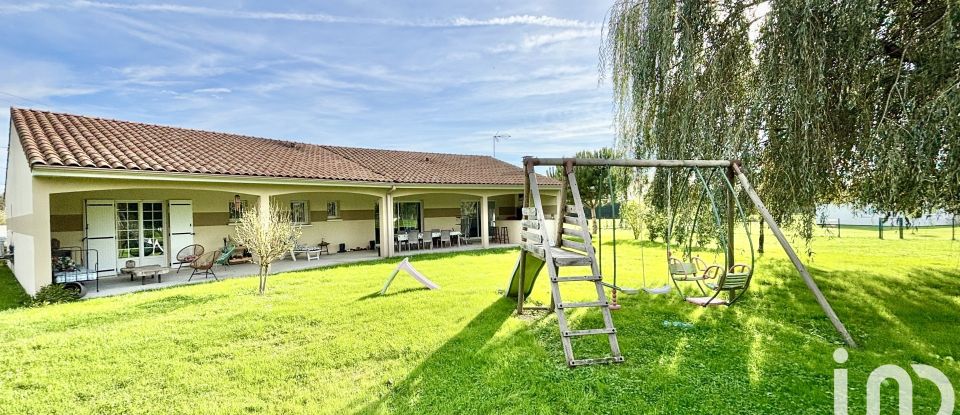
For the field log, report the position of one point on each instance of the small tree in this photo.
(268, 235)
(631, 212)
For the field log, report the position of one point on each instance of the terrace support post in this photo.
(807, 278)
(39, 228)
(900, 225)
(485, 221)
(386, 226)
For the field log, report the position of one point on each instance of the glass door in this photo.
(141, 235)
(407, 216)
(470, 218)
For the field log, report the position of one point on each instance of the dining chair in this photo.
(413, 237)
(445, 238)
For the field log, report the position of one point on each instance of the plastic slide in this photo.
(406, 266)
(534, 265)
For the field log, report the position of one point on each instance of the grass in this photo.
(322, 342)
(11, 293)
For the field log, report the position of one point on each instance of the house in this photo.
(141, 192)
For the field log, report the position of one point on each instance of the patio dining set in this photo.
(435, 238)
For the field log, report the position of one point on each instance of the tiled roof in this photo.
(417, 167)
(54, 139)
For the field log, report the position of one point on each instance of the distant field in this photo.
(322, 341)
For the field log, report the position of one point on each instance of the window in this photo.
(407, 216)
(300, 212)
(234, 213)
(333, 209)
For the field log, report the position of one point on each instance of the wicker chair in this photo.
(204, 265)
(189, 254)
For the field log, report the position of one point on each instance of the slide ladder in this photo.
(571, 247)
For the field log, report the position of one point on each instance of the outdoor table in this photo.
(433, 236)
(145, 271)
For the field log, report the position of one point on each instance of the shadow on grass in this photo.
(376, 294)
(454, 366)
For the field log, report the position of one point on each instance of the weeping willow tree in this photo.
(825, 101)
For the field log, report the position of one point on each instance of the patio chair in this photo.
(445, 238)
(402, 240)
(413, 237)
(188, 254)
(225, 255)
(432, 238)
(204, 265)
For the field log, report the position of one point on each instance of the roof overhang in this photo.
(118, 174)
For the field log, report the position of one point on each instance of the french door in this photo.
(141, 236)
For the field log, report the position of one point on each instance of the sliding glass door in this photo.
(407, 216)
(470, 217)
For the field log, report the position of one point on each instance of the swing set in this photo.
(729, 277)
(569, 243)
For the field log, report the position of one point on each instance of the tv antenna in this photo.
(496, 138)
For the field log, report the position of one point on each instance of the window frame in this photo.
(336, 205)
(231, 220)
(306, 212)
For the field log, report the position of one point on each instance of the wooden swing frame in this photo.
(733, 172)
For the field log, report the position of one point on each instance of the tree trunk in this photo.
(593, 214)
(263, 278)
(760, 239)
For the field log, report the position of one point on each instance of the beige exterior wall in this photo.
(26, 210)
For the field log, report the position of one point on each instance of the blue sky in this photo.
(431, 75)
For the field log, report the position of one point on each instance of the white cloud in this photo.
(532, 42)
(212, 91)
(524, 20)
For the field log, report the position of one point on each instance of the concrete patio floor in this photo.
(116, 285)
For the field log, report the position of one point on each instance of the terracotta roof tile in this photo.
(55, 139)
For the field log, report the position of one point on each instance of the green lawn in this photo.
(11, 293)
(321, 341)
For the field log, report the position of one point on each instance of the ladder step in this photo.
(572, 209)
(578, 278)
(582, 305)
(591, 332)
(570, 220)
(602, 360)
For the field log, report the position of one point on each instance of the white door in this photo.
(181, 227)
(100, 235)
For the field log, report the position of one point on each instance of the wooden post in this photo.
(527, 168)
(807, 278)
(900, 224)
(731, 205)
(880, 226)
(561, 207)
(953, 228)
(838, 227)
